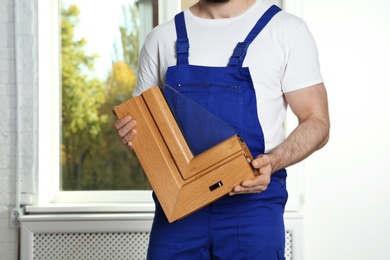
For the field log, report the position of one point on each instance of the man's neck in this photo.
(207, 10)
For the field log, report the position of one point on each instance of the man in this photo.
(248, 60)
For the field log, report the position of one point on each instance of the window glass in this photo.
(100, 42)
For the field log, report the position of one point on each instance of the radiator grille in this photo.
(90, 246)
(288, 251)
(102, 246)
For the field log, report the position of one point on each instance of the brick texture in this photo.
(17, 35)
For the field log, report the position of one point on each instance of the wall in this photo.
(8, 236)
(18, 113)
(346, 206)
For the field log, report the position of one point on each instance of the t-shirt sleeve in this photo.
(302, 67)
(148, 71)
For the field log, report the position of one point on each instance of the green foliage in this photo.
(130, 36)
(92, 156)
(83, 95)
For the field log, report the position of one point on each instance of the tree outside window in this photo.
(92, 157)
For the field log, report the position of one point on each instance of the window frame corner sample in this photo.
(182, 182)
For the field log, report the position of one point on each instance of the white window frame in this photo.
(50, 197)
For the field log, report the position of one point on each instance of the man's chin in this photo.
(217, 1)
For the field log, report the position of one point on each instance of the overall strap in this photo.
(182, 44)
(240, 51)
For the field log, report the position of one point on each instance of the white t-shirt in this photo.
(282, 58)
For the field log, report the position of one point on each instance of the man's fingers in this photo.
(260, 161)
(260, 183)
(245, 190)
(122, 122)
(251, 183)
(128, 130)
(125, 129)
(126, 139)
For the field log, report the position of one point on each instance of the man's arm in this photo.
(310, 105)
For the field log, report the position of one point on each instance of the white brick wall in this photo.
(18, 74)
(8, 236)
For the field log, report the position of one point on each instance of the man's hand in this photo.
(260, 183)
(125, 128)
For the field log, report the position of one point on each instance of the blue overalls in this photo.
(242, 226)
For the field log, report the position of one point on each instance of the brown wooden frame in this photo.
(183, 183)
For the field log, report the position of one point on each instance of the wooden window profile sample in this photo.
(182, 182)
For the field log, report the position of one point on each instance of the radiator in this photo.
(107, 237)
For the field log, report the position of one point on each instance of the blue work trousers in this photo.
(238, 227)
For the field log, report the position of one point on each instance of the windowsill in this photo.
(114, 211)
(68, 208)
(87, 217)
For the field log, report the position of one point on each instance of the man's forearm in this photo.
(309, 136)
